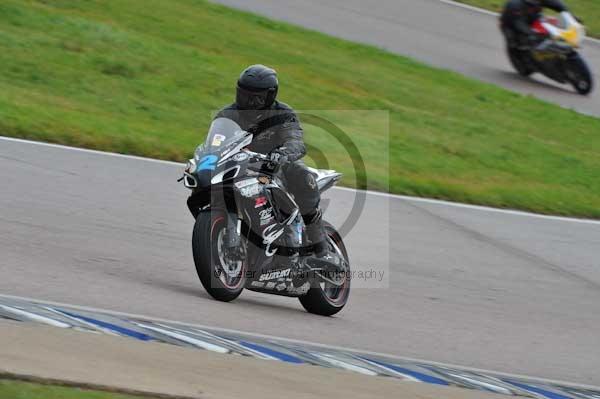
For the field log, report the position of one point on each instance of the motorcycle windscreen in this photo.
(222, 132)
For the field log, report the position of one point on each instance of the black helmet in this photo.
(256, 88)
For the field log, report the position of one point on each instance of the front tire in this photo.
(222, 280)
(323, 299)
(579, 75)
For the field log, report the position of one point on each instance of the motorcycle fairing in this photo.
(565, 29)
(325, 178)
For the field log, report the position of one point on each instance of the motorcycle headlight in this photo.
(190, 167)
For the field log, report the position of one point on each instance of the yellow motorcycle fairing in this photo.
(571, 36)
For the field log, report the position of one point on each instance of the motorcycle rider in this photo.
(519, 15)
(278, 134)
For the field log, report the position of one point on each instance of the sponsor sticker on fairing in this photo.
(249, 187)
(260, 201)
(274, 275)
(270, 234)
(251, 191)
(266, 216)
(218, 140)
(280, 286)
(239, 157)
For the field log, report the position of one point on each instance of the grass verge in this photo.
(588, 10)
(12, 389)
(143, 76)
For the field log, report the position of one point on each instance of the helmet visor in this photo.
(252, 99)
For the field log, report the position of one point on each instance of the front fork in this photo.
(234, 231)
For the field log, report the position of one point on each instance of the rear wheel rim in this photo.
(336, 295)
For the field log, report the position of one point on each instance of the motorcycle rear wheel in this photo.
(223, 280)
(516, 59)
(324, 299)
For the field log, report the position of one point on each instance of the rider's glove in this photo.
(277, 156)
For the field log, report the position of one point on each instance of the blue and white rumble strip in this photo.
(281, 350)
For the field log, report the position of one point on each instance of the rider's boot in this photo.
(327, 265)
(316, 233)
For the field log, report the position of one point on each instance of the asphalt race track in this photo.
(437, 33)
(479, 288)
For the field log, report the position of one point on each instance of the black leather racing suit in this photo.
(278, 127)
(518, 16)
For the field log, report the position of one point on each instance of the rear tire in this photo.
(205, 241)
(579, 75)
(323, 303)
(517, 60)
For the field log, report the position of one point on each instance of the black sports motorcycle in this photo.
(249, 232)
(557, 56)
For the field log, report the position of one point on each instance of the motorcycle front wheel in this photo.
(220, 276)
(326, 299)
(579, 75)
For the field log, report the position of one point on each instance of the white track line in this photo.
(369, 192)
(403, 376)
(184, 338)
(469, 7)
(475, 207)
(300, 342)
(97, 152)
(494, 14)
(345, 365)
(35, 317)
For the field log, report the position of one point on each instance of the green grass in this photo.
(10, 389)
(143, 76)
(588, 10)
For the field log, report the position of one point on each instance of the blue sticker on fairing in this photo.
(208, 162)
